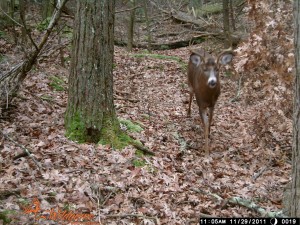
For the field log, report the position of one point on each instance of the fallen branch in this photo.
(262, 170)
(186, 18)
(251, 205)
(53, 49)
(203, 215)
(237, 96)
(173, 44)
(169, 34)
(243, 202)
(6, 193)
(127, 99)
(142, 148)
(26, 151)
(133, 215)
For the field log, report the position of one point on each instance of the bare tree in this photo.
(131, 25)
(295, 187)
(226, 24)
(90, 114)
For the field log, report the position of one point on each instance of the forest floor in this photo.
(176, 186)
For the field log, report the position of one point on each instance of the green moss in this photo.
(139, 153)
(117, 140)
(5, 22)
(4, 216)
(67, 32)
(110, 133)
(133, 127)
(2, 34)
(208, 9)
(228, 73)
(164, 47)
(76, 129)
(24, 202)
(138, 163)
(56, 83)
(212, 8)
(199, 40)
(47, 98)
(145, 116)
(145, 51)
(44, 24)
(2, 57)
(67, 207)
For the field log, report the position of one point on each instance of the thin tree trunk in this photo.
(23, 19)
(131, 27)
(47, 8)
(149, 38)
(295, 187)
(12, 15)
(226, 24)
(232, 17)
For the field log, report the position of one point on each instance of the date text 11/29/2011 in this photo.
(250, 221)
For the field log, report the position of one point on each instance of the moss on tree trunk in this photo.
(90, 115)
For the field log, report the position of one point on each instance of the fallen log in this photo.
(200, 37)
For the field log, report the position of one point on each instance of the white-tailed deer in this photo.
(204, 82)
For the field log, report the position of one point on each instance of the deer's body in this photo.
(204, 82)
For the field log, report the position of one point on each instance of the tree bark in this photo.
(47, 8)
(90, 114)
(295, 187)
(232, 16)
(226, 24)
(131, 26)
(23, 19)
(149, 38)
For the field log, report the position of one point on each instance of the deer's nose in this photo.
(212, 83)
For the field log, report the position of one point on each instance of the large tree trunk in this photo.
(295, 188)
(90, 112)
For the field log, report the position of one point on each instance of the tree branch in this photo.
(26, 151)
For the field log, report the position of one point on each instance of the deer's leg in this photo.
(190, 102)
(211, 113)
(205, 121)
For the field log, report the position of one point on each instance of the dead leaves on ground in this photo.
(99, 180)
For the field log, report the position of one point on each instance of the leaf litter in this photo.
(99, 180)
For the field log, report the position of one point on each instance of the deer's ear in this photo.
(225, 58)
(196, 60)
